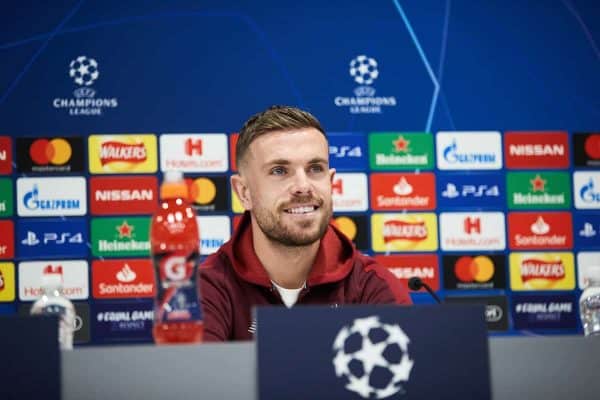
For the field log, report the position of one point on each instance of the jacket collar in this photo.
(333, 262)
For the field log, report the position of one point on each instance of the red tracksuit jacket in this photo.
(233, 280)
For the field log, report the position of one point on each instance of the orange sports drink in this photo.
(175, 250)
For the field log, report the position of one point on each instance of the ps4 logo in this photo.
(588, 231)
(345, 151)
(32, 238)
(452, 191)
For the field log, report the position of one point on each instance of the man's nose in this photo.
(301, 183)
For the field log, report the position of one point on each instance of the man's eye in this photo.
(316, 168)
(277, 171)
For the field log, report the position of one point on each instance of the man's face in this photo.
(287, 185)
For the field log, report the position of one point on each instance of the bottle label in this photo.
(177, 294)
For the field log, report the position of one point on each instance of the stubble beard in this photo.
(273, 228)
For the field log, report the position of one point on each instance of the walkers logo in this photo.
(355, 228)
(364, 70)
(122, 154)
(214, 232)
(586, 147)
(116, 279)
(7, 281)
(586, 228)
(469, 150)
(50, 154)
(496, 309)
(400, 151)
(347, 151)
(404, 232)
(5, 155)
(121, 237)
(472, 231)
(542, 271)
(531, 150)
(208, 193)
(586, 190)
(6, 197)
(404, 267)
(403, 191)
(194, 152)
(349, 192)
(52, 238)
(471, 190)
(39, 197)
(586, 262)
(7, 239)
(123, 195)
(539, 230)
(119, 321)
(531, 190)
(556, 311)
(474, 272)
(75, 278)
(84, 71)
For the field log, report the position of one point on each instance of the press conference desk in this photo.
(565, 367)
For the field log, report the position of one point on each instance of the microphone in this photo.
(415, 283)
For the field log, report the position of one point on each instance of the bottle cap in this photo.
(173, 186)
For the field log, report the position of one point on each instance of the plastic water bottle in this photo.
(589, 303)
(53, 302)
(175, 247)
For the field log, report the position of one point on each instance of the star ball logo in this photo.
(364, 70)
(85, 72)
(372, 357)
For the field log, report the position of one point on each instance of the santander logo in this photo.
(126, 274)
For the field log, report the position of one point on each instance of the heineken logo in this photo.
(121, 236)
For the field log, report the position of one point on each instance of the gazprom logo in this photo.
(32, 201)
(587, 187)
(38, 196)
(469, 150)
(453, 156)
(589, 194)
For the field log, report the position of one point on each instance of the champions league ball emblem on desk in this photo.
(372, 357)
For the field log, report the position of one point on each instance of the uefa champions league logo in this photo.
(372, 357)
(84, 71)
(364, 70)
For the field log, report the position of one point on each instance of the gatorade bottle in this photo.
(53, 302)
(175, 248)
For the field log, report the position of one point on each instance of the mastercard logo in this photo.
(474, 269)
(202, 190)
(347, 226)
(592, 146)
(55, 151)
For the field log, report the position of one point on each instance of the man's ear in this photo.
(240, 187)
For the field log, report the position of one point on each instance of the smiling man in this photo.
(285, 250)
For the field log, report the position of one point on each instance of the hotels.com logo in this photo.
(472, 225)
(193, 147)
(349, 192)
(194, 152)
